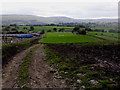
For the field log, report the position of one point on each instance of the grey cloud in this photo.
(76, 10)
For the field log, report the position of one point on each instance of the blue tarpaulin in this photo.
(25, 36)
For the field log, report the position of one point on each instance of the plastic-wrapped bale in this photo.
(25, 36)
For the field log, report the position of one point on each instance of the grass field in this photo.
(105, 33)
(104, 28)
(107, 36)
(68, 38)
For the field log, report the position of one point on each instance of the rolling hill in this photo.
(31, 19)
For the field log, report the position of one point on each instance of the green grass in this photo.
(23, 73)
(108, 38)
(68, 38)
(104, 28)
(105, 33)
(112, 37)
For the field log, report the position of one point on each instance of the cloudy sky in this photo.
(70, 8)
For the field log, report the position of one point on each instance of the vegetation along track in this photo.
(28, 69)
(10, 72)
(41, 74)
(86, 66)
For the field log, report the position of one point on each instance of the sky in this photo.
(77, 9)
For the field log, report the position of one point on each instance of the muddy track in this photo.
(11, 71)
(40, 75)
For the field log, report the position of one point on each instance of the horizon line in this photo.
(65, 16)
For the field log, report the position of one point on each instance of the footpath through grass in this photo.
(68, 38)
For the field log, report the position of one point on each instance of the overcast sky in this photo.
(70, 8)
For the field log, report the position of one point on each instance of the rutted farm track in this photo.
(11, 70)
(78, 66)
(39, 72)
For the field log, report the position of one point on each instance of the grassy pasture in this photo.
(108, 36)
(104, 28)
(68, 38)
(105, 33)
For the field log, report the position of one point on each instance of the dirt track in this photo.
(40, 75)
(10, 71)
(39, 71)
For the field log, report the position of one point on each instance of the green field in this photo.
(68, 38)
(105, 35)
(104, 28)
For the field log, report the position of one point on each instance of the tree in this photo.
(14, 25)
(42, 32)
(88, 29)
(83, 32)
(77, 30)
(61, 30)
(55, 29)
(49, 31)
(31, 28)
(21, 32)
(14, 31)
(7, 28)
(81, 26)
(24, 28)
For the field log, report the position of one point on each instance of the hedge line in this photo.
(9, 50)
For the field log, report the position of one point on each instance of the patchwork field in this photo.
(105, 33)
(108, 36)
(68, 38)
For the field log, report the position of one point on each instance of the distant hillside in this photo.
(30, 19)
